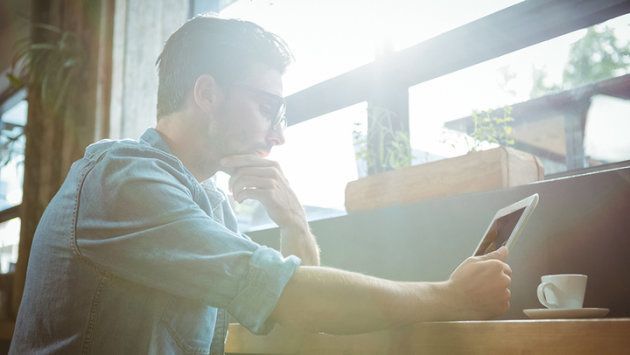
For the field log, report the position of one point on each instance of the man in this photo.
(138, 252)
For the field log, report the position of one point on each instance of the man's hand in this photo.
(262, 180)
(479, 287)
(340, 302)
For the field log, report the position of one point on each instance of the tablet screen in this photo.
(500, 231)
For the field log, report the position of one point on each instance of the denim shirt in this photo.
(134, 256)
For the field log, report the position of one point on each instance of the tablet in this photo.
(506, 225)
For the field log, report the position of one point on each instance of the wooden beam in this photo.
(9, 213)
(539, 108)
(505, 31)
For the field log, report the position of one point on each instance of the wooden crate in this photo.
(477, 171)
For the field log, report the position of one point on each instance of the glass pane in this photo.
(606, 136)
(12, 144)
(556, 101)
(9, 242)
(318, 160)
(329, 38)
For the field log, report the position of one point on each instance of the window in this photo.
(354, 31)
(13, 114)
(536, 84)
(9, 242)
(329, 38)
(333, 39)
(12, 141)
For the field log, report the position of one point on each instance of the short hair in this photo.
(224, 48)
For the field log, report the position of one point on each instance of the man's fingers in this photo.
(507, 269)
(499, 254)
(267, 171)
(238, 161)
(507, 280)
(254, 194)
(249, 182)
(254, 175)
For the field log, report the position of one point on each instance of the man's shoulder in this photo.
(134, 156)
(130, 149)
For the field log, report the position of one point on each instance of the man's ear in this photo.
(206, 92)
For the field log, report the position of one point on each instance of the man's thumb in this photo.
(501, 254)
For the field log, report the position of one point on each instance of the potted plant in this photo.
(479, 170)
(382, 148)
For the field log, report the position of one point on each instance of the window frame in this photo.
(399, 71)
(8, 100)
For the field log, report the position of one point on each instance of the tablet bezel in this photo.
(529, 203)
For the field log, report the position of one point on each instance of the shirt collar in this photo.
(153, 138)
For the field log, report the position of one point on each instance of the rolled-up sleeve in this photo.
(139, 220)
(260, 290)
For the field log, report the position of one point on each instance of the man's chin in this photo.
(262, 153)
(259, 151)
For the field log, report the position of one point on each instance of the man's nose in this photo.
(276, 136)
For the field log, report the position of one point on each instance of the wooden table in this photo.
(584, 336)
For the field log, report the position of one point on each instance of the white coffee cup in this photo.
(562, 291)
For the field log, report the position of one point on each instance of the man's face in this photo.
(244, 123)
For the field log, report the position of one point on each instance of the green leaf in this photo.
(42, 46)
(71, 62)
(14, 81)
(47, 27)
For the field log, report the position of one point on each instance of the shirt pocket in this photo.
(191, 324)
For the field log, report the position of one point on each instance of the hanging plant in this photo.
(49, 67)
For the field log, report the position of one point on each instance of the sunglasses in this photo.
(272, 106)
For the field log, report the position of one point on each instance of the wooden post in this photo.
(54, 141)
(574, 124)
(388, 114)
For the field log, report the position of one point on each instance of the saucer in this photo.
(547, 313)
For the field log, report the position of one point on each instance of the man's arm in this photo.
(263, 180)
(299, 241)
(328, 300)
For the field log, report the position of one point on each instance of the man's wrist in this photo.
(297, 239)
(446, 301)
(299, 226)
(453, 303)
(436, 301)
